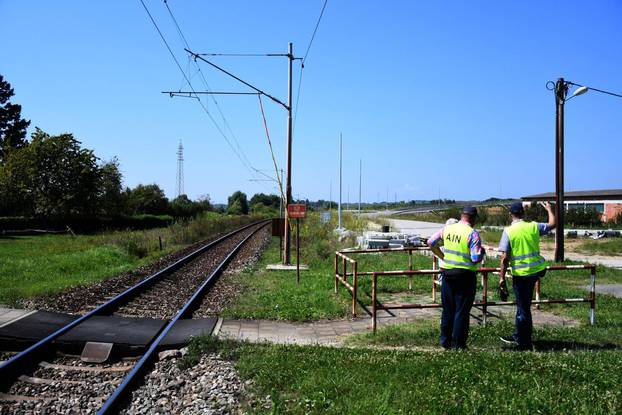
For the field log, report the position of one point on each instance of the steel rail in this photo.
(26, 359)
(115, 401)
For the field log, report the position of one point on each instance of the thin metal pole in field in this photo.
(340, 176)
(360, 181)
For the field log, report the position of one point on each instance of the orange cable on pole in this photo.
(276, 168)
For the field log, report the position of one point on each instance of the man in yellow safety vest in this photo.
(520, 250)
(462, 251)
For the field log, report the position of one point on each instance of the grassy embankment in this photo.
(576, 369)
(324, 380)
(38, 265)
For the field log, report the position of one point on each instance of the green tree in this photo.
(237, 204)
(53, 176)
(16, 193)
(12, 125)
(183, 207)
(110, 198)
(204, 203)
(147, 199)
(266, 200)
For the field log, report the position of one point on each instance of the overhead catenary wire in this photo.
(188, 81)
(314, 32)
(205, 83)
(212, 93)
(304, 59)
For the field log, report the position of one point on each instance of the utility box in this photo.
(278, 227)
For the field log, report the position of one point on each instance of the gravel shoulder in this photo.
(81, 299)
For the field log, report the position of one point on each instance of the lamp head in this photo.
(579, 91)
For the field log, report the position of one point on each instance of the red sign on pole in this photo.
(296, 211)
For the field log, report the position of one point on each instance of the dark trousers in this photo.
(523, 291)
(457, 295)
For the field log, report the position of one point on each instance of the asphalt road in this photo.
(424, 229)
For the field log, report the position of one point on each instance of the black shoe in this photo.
(523, 348)
(510, 340)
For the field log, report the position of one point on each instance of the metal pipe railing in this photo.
(484, 302)
(342, 274)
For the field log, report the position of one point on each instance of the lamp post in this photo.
(561, 91)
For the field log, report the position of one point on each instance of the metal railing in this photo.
(342, 274)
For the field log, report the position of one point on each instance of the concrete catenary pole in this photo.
(288, 194)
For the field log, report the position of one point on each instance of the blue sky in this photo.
(436, 98)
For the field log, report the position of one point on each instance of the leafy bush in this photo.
(85, 224)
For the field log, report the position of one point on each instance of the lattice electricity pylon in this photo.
(180, 170)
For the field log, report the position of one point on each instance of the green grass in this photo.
(607, 333)
(402, 369)
(276, 295)
(324, 380)
(38, 265)
(602, 246)
(490, 236)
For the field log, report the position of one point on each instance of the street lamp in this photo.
(560, 89)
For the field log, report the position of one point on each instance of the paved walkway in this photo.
(611, 289)
(334, 332)
(9, 315)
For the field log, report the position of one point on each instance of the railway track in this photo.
(42, 380)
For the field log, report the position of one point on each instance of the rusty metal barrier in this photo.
(341, 275)
(484, 302)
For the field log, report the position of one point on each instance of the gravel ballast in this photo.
(210, 387)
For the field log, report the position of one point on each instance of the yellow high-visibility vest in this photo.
(525, 257)
(457, 251)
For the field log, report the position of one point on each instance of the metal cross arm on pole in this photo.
(197, 56)
(242, 54)
(191, 94)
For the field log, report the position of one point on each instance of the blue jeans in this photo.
(523, 291)
(457, 295)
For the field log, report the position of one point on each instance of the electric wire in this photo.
(314, 31)
(207, 86)
(302, 67)
(191, 86)
(302, 63)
